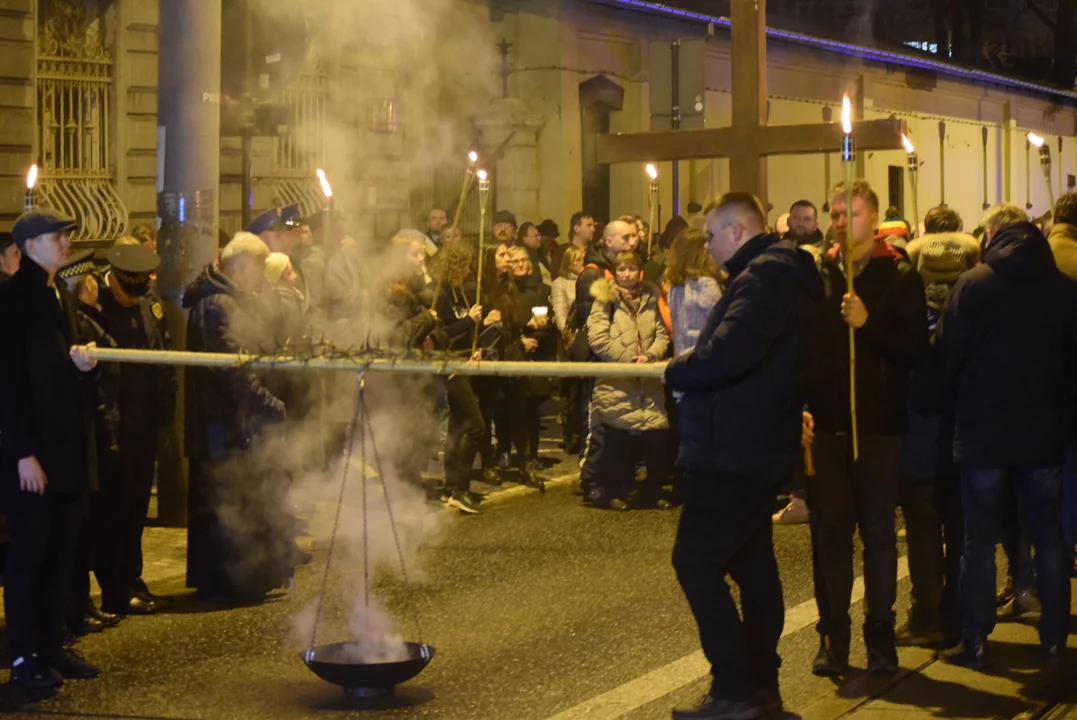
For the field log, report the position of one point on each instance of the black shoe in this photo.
(70, 664)
(882, 652)
(476, 497)
(969, 653)
(140, 606)
(29, 672)
(711, 708)
(106, 619)
(529, 472)
(491, 476)
(462, 501)
(910, 635)
(832, 660)
(85, 625)
(769, 699)
(619, 505)
(663, 504)
(504, 461)
(1052, 654)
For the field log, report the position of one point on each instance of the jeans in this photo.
(1039, 494)
(843, 497)
(725, 529)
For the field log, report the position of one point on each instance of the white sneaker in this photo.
(795, 513)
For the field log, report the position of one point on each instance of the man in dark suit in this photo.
(46, 452)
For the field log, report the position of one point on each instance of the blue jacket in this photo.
(742, 383)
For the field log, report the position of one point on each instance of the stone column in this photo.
(188, 175)
(510, 122)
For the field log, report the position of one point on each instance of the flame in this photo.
(31, 179)
(908, 144)
(482, 175)
(846, 115)
(1035, 139)
(473, 157)
(652, 171)
(326, 189)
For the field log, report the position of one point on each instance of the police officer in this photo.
(283, 231)
(145, 401)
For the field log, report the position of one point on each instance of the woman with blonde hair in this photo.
(691, 273)
(563, 299)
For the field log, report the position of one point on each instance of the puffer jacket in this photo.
(616, 335)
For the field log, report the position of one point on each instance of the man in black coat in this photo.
(46, 452)
(229, 560)
(887, 309)
(1008, 338)
(9, 257)
(740, 436)
(145, 399)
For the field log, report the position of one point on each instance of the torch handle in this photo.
(468, 178)
(478, 280)
(850, 273)
(654, 219)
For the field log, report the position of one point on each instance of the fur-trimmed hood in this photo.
(605, 291)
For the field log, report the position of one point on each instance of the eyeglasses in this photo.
(518, 262)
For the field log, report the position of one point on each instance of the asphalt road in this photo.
(535, 608)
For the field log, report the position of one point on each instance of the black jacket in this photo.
(47, 411)
(892, 342)
(742, 400)
(456, 329)
(224, 407)
(596, 267)
(1008, 348)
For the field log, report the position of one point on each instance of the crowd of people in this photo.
(754, 404)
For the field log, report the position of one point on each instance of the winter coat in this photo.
(689, 307)
(1008, 350)
(617, 335)
(309, 264)
(47, 408)
(224, 407)
(741, 408)
(597, 267)
(1063, 242)
(456, 328)
(534, 295)
(562, 296)
(409, 319)
(342, 281)
(891, 343)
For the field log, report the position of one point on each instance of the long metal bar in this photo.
(390, 365)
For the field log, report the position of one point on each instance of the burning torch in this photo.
(31, 181)
(1045, 164)
(484, 195)
(914, 167)
(848, 160)
(469, 178)
(652, 171)
(328, 192)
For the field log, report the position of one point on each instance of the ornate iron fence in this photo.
(74, 96)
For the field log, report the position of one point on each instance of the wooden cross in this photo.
(749, 140)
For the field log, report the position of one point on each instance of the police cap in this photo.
(278, 218)
(78, 264)
(132, 265)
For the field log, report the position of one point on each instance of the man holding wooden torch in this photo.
(886, 308)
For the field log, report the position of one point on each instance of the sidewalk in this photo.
(1017, 684)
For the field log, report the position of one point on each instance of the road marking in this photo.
(669, 678)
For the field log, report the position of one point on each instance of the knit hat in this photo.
(942, 259)
(275, 266)
(893, 229)
(504, 216)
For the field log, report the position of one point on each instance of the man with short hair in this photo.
(745, 369)
(886, 308)
(47, 461)
(436, 220)
(804, 224)
(9, 257)
(1008, 338)
(943, 225)
(1063, 235)
(224, 410)
(505, 227)
(582, 227)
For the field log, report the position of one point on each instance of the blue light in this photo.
(182, 208)
(858, 51)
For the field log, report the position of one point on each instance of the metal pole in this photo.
(247, 142)
(189, 144)
(675, 94)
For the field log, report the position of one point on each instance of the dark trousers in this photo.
(87, 551)
(1039, 494)
(725, 529)
(126, 487)
(618, 469)
(592, 452)
(574, 408)
(44, 532)
(488, 392)
(923, 528)
(465, 434)
(1014, 537)
(844, 496)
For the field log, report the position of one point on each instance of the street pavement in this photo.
(540, 608)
